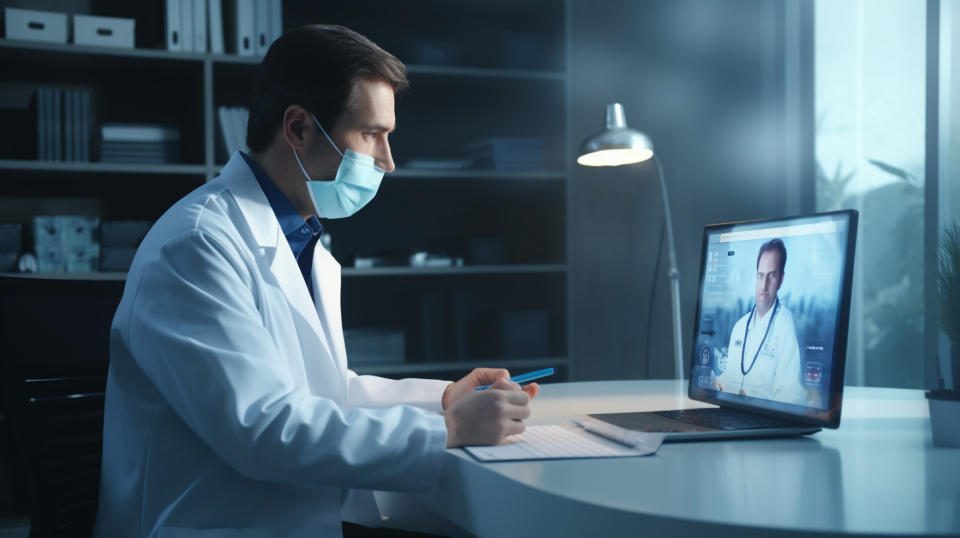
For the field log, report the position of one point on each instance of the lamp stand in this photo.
(674, 275)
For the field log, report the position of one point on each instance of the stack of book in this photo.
(139, 143)
(63, 124)
(507, 153)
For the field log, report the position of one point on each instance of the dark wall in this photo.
(710, 83)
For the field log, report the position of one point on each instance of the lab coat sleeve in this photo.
(197, 334)
(786, 383)
(373, 391)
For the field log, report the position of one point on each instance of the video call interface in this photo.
(767, 321)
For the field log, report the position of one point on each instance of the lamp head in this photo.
(616, 144)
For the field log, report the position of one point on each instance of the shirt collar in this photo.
(761, 321)
(287, 215)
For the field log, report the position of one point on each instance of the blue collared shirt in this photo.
(302, 235)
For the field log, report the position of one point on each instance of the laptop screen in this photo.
(772, 317)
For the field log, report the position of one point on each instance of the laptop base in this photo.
(706, 423)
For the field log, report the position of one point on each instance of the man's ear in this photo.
(293, 127)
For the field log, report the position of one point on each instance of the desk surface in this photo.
(878, 474)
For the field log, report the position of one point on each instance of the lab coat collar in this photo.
(263, 225)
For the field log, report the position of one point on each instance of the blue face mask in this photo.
(357, 182)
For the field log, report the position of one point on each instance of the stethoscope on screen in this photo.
(746, 331)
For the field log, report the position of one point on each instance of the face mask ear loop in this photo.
(302, 169)
(326, 135)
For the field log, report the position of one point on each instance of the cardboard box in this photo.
(32, 25)
(103, 31)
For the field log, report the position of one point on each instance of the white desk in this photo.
(878, 474)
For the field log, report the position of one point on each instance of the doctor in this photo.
(763, 358)
(230, 407)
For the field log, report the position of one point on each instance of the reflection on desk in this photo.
(877, 474)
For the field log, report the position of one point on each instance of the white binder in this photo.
(276, 19)
(186, 25)
(243, 21)
(215, 20)
(200, 25)
(174, 37)
(262, 23)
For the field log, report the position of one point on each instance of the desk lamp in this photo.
(618, 145)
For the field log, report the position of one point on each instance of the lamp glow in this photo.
(614, 157)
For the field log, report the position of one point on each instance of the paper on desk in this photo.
(561, 442)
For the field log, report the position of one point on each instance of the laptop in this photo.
(770, 335)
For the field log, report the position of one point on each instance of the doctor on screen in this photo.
(231, 409)
(763, 358)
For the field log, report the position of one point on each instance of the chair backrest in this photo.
(54, 334)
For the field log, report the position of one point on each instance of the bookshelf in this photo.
(478, 91)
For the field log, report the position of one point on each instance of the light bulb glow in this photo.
(614, 157)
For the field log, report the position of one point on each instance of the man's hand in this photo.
(479, 377)
(486, 417)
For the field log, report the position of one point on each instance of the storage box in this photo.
(116, 258)
(103, 31)
(79, 230)
(375, 346)
(32, 25)
(123, 233)
(10, 234)
(8, 261)
(66, 243)
(82, 258)
(46, 231)
(50, 258)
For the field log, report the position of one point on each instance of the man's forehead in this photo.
(770, 258)
(372, 105)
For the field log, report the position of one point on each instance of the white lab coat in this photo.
(230, 410)
(776, 374)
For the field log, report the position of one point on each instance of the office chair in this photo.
(55, 338)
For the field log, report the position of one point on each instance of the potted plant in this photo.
(945, 402)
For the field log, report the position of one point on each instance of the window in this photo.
(869, 93)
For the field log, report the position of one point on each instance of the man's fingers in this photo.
(532, 390)
(513, 427)
(504, 383)
(518, 397)
(519, 412)
(487, 376)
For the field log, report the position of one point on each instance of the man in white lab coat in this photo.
(230, 407)
(763, 357)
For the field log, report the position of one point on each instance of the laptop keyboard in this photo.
(724, 419)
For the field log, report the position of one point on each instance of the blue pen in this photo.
(525, 378)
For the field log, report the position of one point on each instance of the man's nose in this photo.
(385, 160)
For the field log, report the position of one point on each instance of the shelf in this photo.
(116, 277)
(419, 69)
(155, 54)
(430, 173)
(465, 270)
(415, 69)
(109, 168)
(458, 174)
(161, 54)
(467, 364)
(347, 272)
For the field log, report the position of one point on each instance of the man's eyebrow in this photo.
(379, 127)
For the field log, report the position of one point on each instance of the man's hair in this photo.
(774, 245)
(317, 67)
